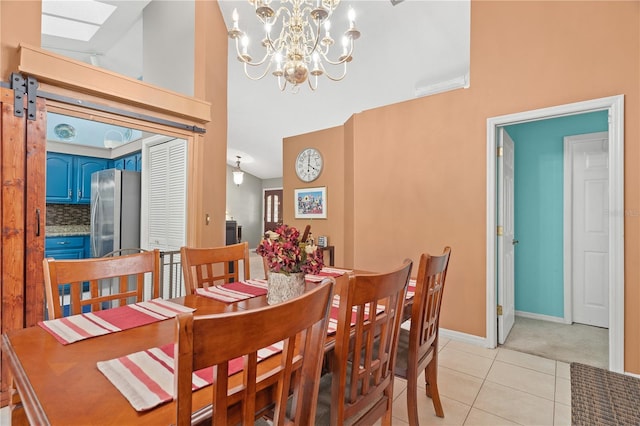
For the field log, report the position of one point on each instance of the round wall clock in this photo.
(309, 164)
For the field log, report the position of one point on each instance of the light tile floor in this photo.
(480, 386)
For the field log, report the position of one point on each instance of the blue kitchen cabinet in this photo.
(69, 177)
(118, 164)
(85, 167)
(131, 162)
(60, 174)
(87, 247)
(138, 162)
(72, 247)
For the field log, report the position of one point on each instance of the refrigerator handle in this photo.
(94, 234)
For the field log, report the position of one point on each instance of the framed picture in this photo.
(311, 203)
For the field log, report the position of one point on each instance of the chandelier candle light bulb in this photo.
(298, 50)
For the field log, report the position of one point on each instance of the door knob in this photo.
(514, 242)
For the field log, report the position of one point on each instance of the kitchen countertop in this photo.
(66, 230)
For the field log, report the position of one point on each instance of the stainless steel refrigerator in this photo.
(115, 211)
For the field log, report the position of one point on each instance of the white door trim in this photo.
(615, 106)
(569, 142)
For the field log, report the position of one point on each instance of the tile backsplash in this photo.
(68, 214)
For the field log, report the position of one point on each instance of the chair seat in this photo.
(403, 354)
(402, 361)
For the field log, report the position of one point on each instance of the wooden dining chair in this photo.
(78, 286)
(205, 267)
(418, 348)
(359, 388)
(305, 233)
(300, 324)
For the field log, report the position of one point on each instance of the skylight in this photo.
(77, 19)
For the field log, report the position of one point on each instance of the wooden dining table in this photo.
(61, 384)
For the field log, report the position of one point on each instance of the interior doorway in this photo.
(614, 106)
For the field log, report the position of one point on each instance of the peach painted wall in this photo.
(330, 144)
(210, 79)
(416, 171)
(14, 31)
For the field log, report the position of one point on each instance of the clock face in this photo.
(309, 164)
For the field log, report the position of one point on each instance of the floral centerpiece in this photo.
(288, 260)
(285, 253)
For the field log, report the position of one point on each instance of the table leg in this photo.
(18, 415)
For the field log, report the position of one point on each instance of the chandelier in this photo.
(300, 50)
(238, 174)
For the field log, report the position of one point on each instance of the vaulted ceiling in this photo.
(405, 51)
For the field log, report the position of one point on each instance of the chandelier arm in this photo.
(276, 17)
(246, 72)
(270, 42)
(282, 10)
(330, 77)
(317, 38)
(345, 58)
(253, 64)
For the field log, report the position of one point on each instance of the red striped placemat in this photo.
(332, 324)
(233, 292)
(84, 326)
(411, 289)
(146, 378)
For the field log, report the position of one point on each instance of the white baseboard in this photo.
(539, 317)
(464, 337)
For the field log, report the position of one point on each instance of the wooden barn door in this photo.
(22, 216)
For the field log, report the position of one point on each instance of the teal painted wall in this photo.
(539, 180)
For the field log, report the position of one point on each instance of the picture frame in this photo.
(310, 203)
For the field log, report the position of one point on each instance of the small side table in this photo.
(331, 253)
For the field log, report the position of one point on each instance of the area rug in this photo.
(601, 397)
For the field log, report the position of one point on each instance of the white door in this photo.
(506, 237)
(590, 229)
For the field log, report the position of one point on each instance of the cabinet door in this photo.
(85, 167)
(59, 181)
(139, 162)
(63, 291)
(87, 247)
(118, 164)
(130, 162)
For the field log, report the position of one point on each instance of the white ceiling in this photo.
(403, 49)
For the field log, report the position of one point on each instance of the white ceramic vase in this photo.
(283, 287)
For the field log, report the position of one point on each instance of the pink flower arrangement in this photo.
(285, 253)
